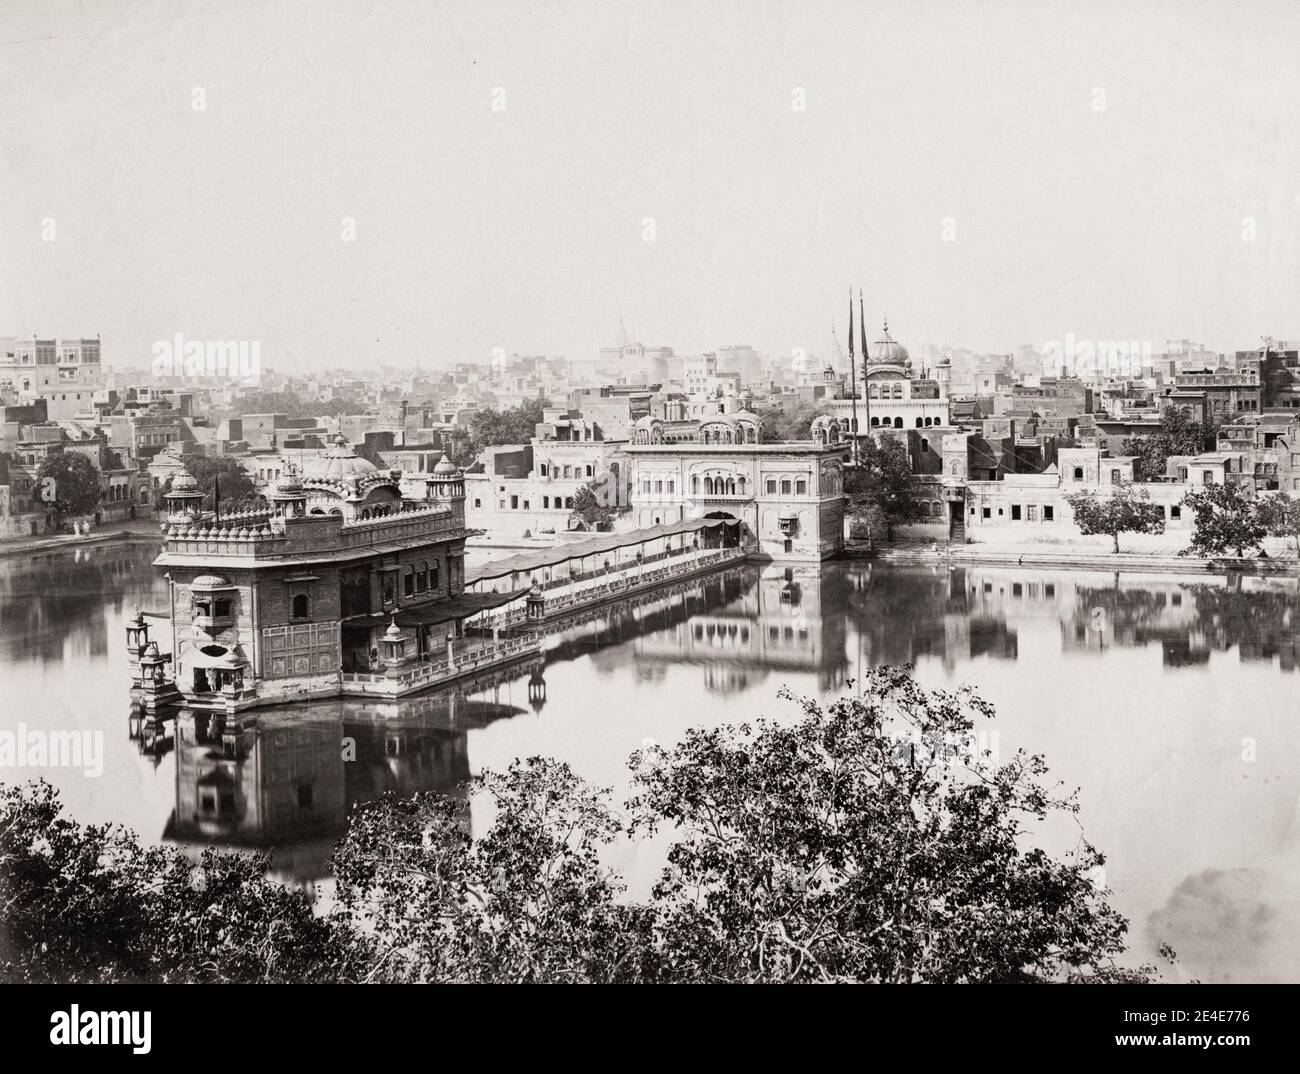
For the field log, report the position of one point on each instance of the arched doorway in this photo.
(722, 530)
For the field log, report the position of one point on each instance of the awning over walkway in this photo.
(453, 608)
(527, 562)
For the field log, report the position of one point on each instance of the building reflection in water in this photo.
(287, 777)
(752, 622)
(56, 607)
(904, 614)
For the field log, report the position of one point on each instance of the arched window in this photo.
(365, 513)
(875, 422)
(898, 389)
(1078, 473)
(898, 423)
(918, 423)
(695, 485)
(708, 486)
(873, 392)
(300, 606)
(731, 486)
(740, 485)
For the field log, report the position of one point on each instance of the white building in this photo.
(889, 396)
(784, 500)
(52, 368)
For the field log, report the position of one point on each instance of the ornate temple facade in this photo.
(890, 395)
(783, 501)
(341, 580)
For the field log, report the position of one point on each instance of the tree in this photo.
(527, 902)
(68, 483)
(589, 506)
(295, 406)
(1280, 516)
(871, 841)
(1226, 517)
(221, 473)
(880, 490)
(788, 422)
(1179, 434)
(514, 425)
(1125, 510)
(88, 903)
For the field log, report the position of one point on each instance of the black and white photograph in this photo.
(649, 492)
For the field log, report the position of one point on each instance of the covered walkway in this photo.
(584, 558)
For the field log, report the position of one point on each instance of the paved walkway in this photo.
(134, 530)
(1137, 552)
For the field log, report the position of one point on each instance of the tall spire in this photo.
(851, 354)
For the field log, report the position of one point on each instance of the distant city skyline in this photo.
(354, 184)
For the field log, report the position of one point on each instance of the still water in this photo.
(1170, 701)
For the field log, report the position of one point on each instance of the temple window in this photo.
(422, 577)
(408, 582)
(223, 607)
(300, 606)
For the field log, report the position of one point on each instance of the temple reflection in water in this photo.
(756, 621)
(287, 777)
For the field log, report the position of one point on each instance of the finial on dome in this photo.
(340, 439)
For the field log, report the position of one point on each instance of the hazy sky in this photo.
(522, 227)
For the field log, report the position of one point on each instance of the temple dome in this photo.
(888, 351)
(287, 486)
(445, 467)
(339, 461)
(184, 482)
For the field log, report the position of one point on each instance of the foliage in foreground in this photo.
(867, 841)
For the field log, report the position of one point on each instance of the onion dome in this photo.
(888, 351)
(445, 467)
(339, 461)
(287, 487)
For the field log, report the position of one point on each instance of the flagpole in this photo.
(866, 389)
(853, 380)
